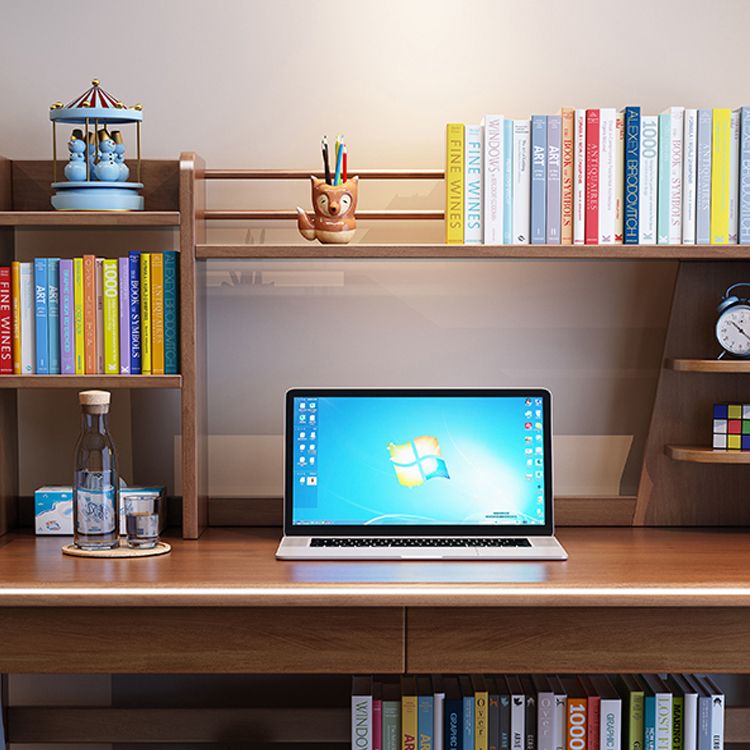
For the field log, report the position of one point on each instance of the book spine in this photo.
(15, 280)
(504, 741)
(494, 156)
(493, 723)
(593, 722)
(592, 176)
(171, 314)
(67, 319)
(734, 177)
(538, 179)
(425, 718)
(508, 182)
(391, 725)
(704, 723)
(468, 728)
(610, 724)
(377, 722)
(361, 720)
(409, 722)
(635, 721)
(28, 329)
(134, 265)
(146, 312)
(53, 314)
(607, 125)
(703, 178)
(576, 724)
(554, 166)
(545, 719)
(481, 718)
(111, 317)
(579, 179)
(473, 185)
(663, 215)
(744, 188)
(677, 722)
(720, 169)
(517, 722)
(79, 340)
(631, 181)
(566, 176)
(560, 722)
(6, 322)
(663, 736)
(41, 319)
(89, 314)
(530, 723)
(157, 313)
(521, 181)
(123, 298)
(689, 176)
(649, 723)
(619, 144)
(454, 184)
(676, 120)
(454, 724)
(717, 722)
(438, 723)
(648, 185)
(99, 306)
(690, 721)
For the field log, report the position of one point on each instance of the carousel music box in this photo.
(96, 175)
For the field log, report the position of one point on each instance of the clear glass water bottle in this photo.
(96, 506)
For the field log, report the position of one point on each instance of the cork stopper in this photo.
(95, 402)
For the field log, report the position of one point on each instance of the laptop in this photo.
(418, 474)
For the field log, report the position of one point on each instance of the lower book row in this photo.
(538, 712)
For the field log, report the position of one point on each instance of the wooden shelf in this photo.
(698, 455)
(446, 252)
(90, 381)
(728, 366)
(89, 218)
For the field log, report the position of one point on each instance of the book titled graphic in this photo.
(554, 166)
(111, 317)
(145, 259)
(494, 157)
(454, 187)
(521, 181)
(28, 329)
(619, 175)
(703, 178)
(579, 178)
(15, 283)
(648, 182)
(362, 713)
(592, 177)
(744, 178)
(171, 320)
(508, 182)
(53, 314)
(720, 171)
(41, 319)
(606, 220)
(473, 185)
(79, 337)
(538, 179)
(134, 265)
(6, 322)
(734, 171)
(453, 716)
(67, 319)
(631, 181)
(689, 175)
(123, 278)
(157, 314)
(89, 314)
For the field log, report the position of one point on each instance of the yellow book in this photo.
(157, 313)
(481, 718)
(111, 315)
(454, 183)
(409, 726)
(15, 293)
(79, 337)
(720, 167)
(146, 313)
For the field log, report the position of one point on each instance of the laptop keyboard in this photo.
(419, 542)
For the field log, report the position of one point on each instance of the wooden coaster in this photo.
(162, 548)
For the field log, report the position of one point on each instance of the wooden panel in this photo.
(686, 493)
(304, 174)
(737, 726)
(578, 640)
(701, 455)
(708, 365)
(53, 218)
(90, 381)
(193, 345)
(6, 191)
(201, 639)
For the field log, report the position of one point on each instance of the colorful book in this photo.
(123, 298)
(631, 180)
(481, 714)
(538, 179)
(688, 699)
(619, 175)
(677, 125)
(28, 328)
(744, 177)
(607, 175)
(631, 694)
(467, 696)
(53, 314)
(493, 162)
(689, 175)
(67, 319)
(157, 313)
(521, 181)
(657, 721)
(6, 322)
(146, 308)
(99, 306)
(593, 713)
(576, 719)
(579, 178)
(391, 731)
(720, 170)
(734, 173)
(111, 317)
(454, 184)
(610, 713)
(703, 178)
(425, 714)
(89, 314)
(409, 713)
(567, 176)
(377, 709)
(41, 320)
(665, 145)
(453, 732)
(15, 283)
(554, 178)
(134, 265)
(648, 185)
(361, 703)
(473, 151)
(508, 182)
(79, 337)
(592, 177)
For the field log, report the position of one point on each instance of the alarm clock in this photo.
(733, 323)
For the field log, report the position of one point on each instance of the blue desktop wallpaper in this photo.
(418, 461)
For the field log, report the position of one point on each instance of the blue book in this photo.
(53, 314)
(425, 713)
(632, 175)
(507, 182)
(467, 696)
(703, 178)
(664, 187)
(453, 716)
(649, 722)
(134, 263)
(171, 316)
(538, 179)
(41, 319)
(67, 318)
(554, 195)
(744, 189)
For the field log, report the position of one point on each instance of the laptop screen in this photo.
(448, 459)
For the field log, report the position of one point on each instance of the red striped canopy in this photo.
(96, 96)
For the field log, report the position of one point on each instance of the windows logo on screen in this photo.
(418, 460)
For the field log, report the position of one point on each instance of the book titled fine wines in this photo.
(600, 176)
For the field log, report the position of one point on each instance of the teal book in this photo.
(391, 717)
(53, 314)
(663, 192)
(467, 696)
(41, 316)
(171, 315)
(507, 182)
(649, 722)
(425, 713)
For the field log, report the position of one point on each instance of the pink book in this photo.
(592, 177)
(123, 277)
(377, 724)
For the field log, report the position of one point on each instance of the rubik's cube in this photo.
(731, 427)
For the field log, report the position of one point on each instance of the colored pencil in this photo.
(339, 154)
(344, 168)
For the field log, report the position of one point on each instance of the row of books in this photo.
(599, 177)
(89, 315)
(538, 712)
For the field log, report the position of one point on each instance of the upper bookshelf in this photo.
(89, 218)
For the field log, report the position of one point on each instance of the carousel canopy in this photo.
(95, 104)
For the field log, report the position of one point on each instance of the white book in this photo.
(689, 176)
(579, 177)
(494, 160)
(473, 152)
(663, 735)
(517, 722)
(99, 291)
(681, 687)
(610, 724)
(28, 327)
(619, 175)
(560, 725)
(649, 172)
(438, 729)
(675, 174)
(521, 181)
(361, 713)
(607, 125)
(545, 728)
(734, 174)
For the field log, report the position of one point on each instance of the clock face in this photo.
(733, 330)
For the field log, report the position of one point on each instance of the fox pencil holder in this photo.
(333, 221)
